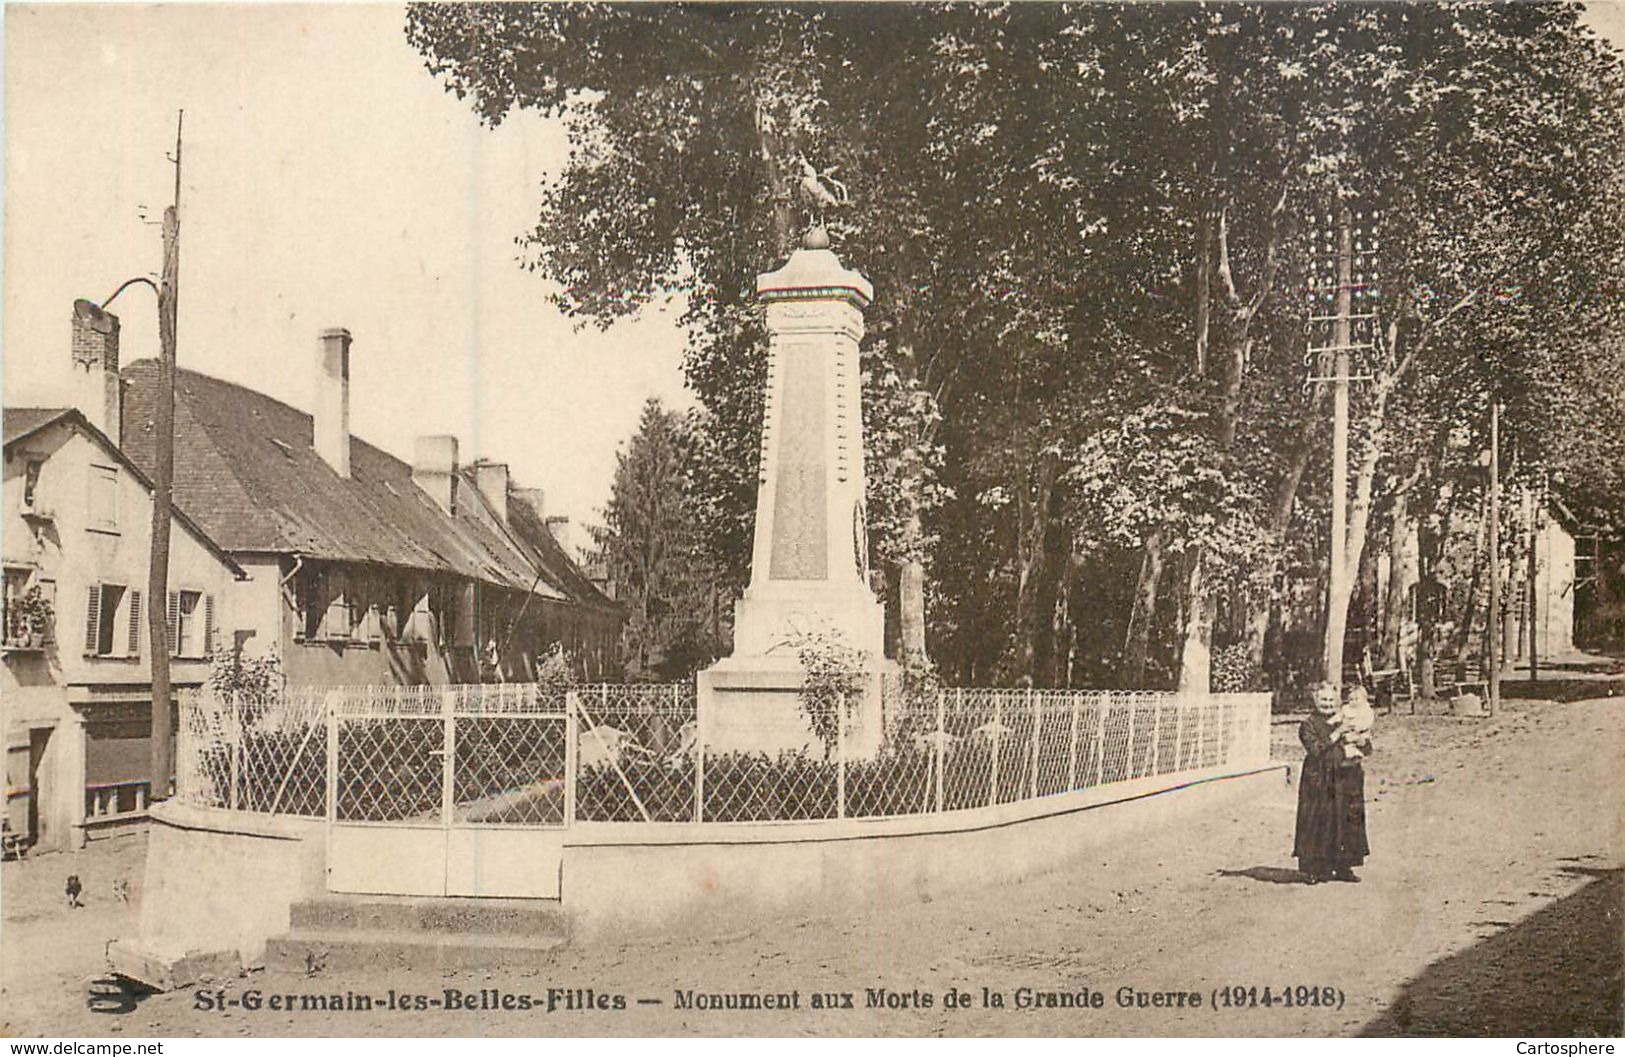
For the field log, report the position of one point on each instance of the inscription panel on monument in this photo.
(800, 535)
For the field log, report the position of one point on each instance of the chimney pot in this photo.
(330, 421)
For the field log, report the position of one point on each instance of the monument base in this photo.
(767, 621)
(753, 705)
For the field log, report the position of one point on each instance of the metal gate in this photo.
(448, 791)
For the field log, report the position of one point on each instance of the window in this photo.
(340, 620)
(17, 624)
(420, 624)
(191, 623)
(327, 614)
(112, 621)
(31, 474)
(104, 498)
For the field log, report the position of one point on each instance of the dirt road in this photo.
(1491, 905)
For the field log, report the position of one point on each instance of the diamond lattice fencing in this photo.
(495, 755)
(247, 752)
(483, 754)
(521, 755)
(944, 750)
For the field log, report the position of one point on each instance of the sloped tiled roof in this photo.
(19, 422)
(246, 469)
(23, 422)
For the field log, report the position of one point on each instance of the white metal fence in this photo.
(247, 752)
(944, 750)
(518, 755)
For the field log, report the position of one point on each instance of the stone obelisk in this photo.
(809, 564)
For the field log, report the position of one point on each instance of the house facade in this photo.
(364, 568)
(76, 681)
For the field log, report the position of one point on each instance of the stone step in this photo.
(420, 915)
(307, 950)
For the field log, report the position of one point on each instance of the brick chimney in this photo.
(492, 479)
(97, 390)
(331, 414)
(434, 469)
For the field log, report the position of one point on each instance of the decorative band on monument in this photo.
(849, 294)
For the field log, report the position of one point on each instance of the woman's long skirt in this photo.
(1331, 815)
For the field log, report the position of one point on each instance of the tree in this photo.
(649, 548)
(1085, 228)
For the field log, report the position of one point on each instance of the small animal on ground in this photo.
(121, 889)
(73, 889)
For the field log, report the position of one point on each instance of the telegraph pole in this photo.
(1493, 660)
(163, 707)
(1342, 337)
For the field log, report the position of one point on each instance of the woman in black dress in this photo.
(1330, 839)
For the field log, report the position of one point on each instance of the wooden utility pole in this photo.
(1338, 585)
(163, 705)
(1493, 618)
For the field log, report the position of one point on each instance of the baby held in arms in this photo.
(1354, 722)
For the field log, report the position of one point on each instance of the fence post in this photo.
(1100, 739)
(942, 736)
(1038, 729)
(570, 746)
(1179, 733)
(840, 754)
(1072, 747)
(1201, 730)
(332, 703)
(699, 762)
(1128, 764)
(1156, 739)
(448, 758)
(236, 794)
(993, 779)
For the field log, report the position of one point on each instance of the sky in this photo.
(328, 180)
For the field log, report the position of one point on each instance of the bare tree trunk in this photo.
(1138, 646)
(1429, 551)
(1260, 610)
(1075, 564)
(1464, 633)
(1036, 584)
(1399, 532)
(911, 595)
(772, 151)
(1196, 656)
(1204, 288)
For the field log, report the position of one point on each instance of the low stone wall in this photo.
(221, 880)
(623, 880)
(221, 883)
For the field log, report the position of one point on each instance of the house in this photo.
(363, 568)
(1547, 524)
(76, 680)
